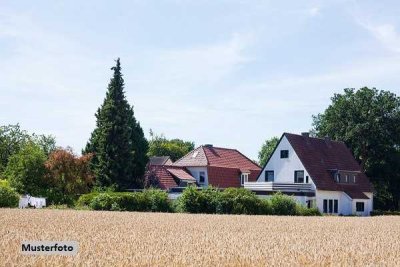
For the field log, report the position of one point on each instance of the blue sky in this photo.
(230, 73)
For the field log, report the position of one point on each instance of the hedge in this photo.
(384, 212)
(149, 200)
(239, 201)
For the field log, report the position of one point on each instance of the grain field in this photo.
(155, 239)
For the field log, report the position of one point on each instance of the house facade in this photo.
(319, 173)
(207, 165)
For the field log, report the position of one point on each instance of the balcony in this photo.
(273, 187)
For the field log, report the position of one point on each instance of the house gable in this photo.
(284, 168)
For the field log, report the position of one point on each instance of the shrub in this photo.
(157, 200)
(86, 199)
(265, 207)
(192, 200)
(283, 204)
(302, 210)
(8, 197)
(102, 202)
(383, 213)
(238, 201)
(149, 200)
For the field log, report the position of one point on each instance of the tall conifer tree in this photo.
(118, 142)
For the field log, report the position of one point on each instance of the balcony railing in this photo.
(284, 187)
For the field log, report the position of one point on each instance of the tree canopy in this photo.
(368, 121)
(159, 145)
(117, 143)
(266, 150)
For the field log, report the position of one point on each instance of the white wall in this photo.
(284, 168)
(368, 205)
(195, 172)
(347, 206)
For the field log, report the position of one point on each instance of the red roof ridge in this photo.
(232, 149)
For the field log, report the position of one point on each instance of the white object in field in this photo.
(27, 200)
(23, 202)
(37, 202)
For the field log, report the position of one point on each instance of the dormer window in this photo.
(337, 177)
(284, 154)
(354, 179)
(195, 154)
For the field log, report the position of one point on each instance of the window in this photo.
(269, 176)
(354, 179)
(331, 206)
(307, 179)
(284, 154)
(359, 206)
(202, 177)
(244, 178)
(347, 179)
(338, 177)
(299, 176)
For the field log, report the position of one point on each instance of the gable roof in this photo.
(208, 155)
(163, 160)
(320, 156)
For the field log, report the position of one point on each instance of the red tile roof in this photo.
(181, 174)
(320, 156)
(218, 157)
(169, 176)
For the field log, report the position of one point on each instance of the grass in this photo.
(130, 238)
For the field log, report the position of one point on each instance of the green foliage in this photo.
(152, 200)
(385, 213)
(368, 121)
(13, 138)
(194, 200)
(238, 201)
(302, 210)
(266, 150)
(265, 207)
(26, 170)
(283, 204)
(118, 143)
(174, 148)
(8, 197)
(86, 199)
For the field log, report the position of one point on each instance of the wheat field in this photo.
(156, 239)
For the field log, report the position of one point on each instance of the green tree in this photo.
(26, 170)
(368, 121)
(118, 143)
(174, 148)
(12, 138)
(266, 150)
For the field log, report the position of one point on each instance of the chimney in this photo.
(208, 145)
(305, 134)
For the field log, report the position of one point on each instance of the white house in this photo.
(318, 172)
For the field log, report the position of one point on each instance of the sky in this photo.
(228, 73)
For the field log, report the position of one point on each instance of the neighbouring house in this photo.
(219, 167)
(318, 172)
(168, 176)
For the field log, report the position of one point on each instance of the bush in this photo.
(238, 201)
(302, 210)
(265, 207)
(86, 199)
(8, 197)
(103, 202)
(157, 200)
(193, 200)
(149, 200)
(385, 212)
(283, 204)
